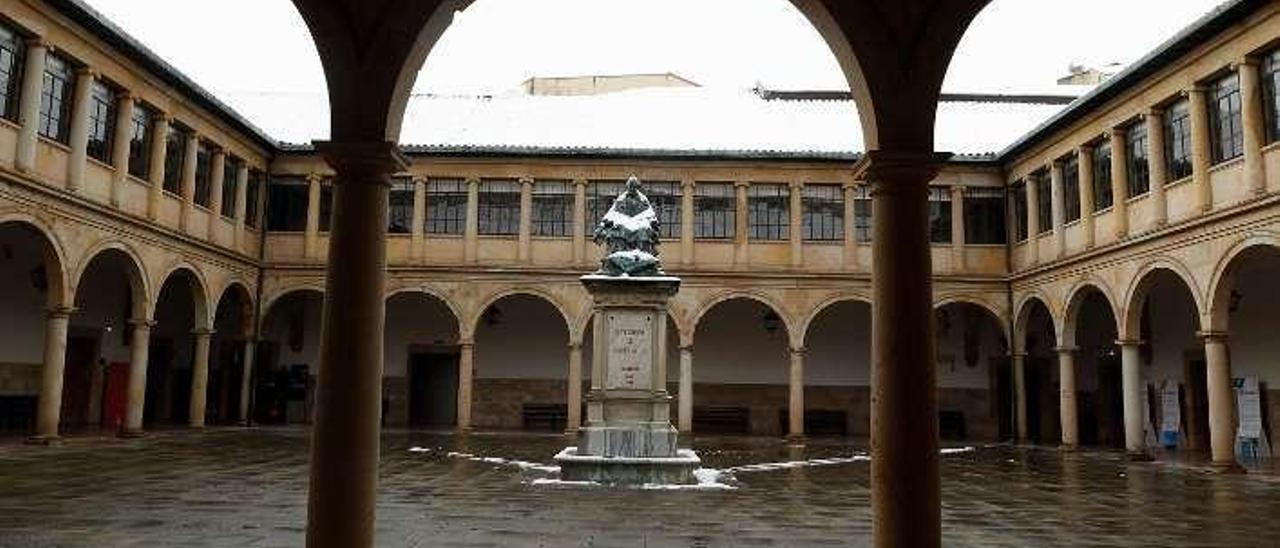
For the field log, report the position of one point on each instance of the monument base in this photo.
(674, 470)
(629, 441)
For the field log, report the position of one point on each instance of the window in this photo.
(55, 99)
(600, 197)
(174, 157)
(253, 198)
(11, 50)
(325, 221)
(768, 212)
(230, 178)
(400, 202)
(499, 213)
(552, 209)
(1177, 140)
(1071, 189)
(102, 121)
(1044, 201)
(1019, 192)
(715, 210)
(143, 125)
(287, 204)
(984, 216)
(939, 215)
(446, 206)
(1224, 119)
(862, 213)
(1102, 196)
(1270, 90)
(1136, 163)
(664, 196)
(204, 173)
(823, 213)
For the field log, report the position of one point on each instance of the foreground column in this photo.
(79, 138)
(122, 136)
(1020, 395)
(575, 387)
(199, 378)
(137, 393)
(686, 390)
(159, 147)
(1201, 154)
(55, 354)
(795, 412)
(246, 381)
(1067, 397)
(344, 440)
(1156, 162)
(29, 104)
(1222, 427)
(466, 370)
(1135, 404)
(1253, 125)
(905, 496)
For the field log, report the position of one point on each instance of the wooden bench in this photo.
(720, 419)
(545, 416)
(819, 422)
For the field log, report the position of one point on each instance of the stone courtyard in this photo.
(248, 488)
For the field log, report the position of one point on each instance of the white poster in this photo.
(1170, 413)
(1251, 439)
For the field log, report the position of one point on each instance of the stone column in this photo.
(579, 221)
(471, 242)
(1253, 122)
(242, 202)
(1085, 160)
(958, 237)
(575, 387)
(1120, 182)
(741, 239)
(311, 238)
(904, 413)
(1058, 208)
(1033, 219)
(159, 144)
(189, 179)
(1201, 154)
(797, 224)
(217, 174)
(137, 393)
(199, 378)
(55, 357)
(1068, 411)
(466, 371)
(1157, 166)
(525, 238)
(348, 392)
(795, 415)
(850, 227)
(418, 236)
(1135, 401)
(79, 137)
(1222, 427)
(1020, 394)
(120, 151)
(246, 381)
(687, 191)
(29, 104)
(685, 414)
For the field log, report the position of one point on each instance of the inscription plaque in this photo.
(630, 351)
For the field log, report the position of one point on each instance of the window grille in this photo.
(400, 206)
(714, 211)
(984, 216)
(446, 206)
(823, 213)
(55, 99)
(768, 212)
(102, 122)
(499, 211)
(552, 214)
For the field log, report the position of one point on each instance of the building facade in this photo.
(165, 260)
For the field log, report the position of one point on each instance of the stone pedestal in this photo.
(628, 437)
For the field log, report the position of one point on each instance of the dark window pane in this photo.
(1137, 168)
(823, 213)
(1270, 90)
(143, 124)
(499, 212)
(862, 213)
(1044, 201)
(1102, 195)
(552, 214)
(600, 197)
(939, 215)
(1177, 140)
(1224, 117)
(204, 174)
(174, 157)
(1020, 222)
(446, 206)
(253, 197)
(55, 99)
(400, 206)
(230, 180)
(714, 211)
(287, 204)
(11, 54)
(984, 216)
(665, 196)
(768, 212)
(1071, 188)
(102, 122)
(326, 205)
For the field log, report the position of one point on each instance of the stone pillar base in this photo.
(675, 470)
(1139, 456)
(626, 441)
(796, 440)
(43, 440)
(1229, 468)
(132, 434)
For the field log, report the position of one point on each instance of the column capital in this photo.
(203, 332)
(801, 350)
(1117, 131)
(1199, 88)
(369, 162)
(526, 181)
(575, 346)
(797, 185)
(741, 184)
(686, 348)
(142, 323)
(38, 42)
(957, 190)
(899, 165)
(1129, 342)
(1018, 355)
(1246, 61)
(467, 344)
(1066, 349)
(472, 181)
(1155, 112)
(1212, 336)
(314, 177)
(60, 312)
(88, 72)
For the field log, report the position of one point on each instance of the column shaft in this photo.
(1252, 122)
(29, 105)
(471, 243)
(686, 389)
(189, 155)
(1120, 183)
(525, 238)
(1201, 155)
(1067, 398)
(418, 237)
(795, 428)
(1135, 401)
(850, 227)
(55, 354)
(797, 225)
(1033, 219)
(580, 221)
(742, 218)
(246, 381)
(1057, 198)
(311, 238)
(958, 237)
(466, 370)
(242, 203)
(120, 143)
(1020, 395)
(217, 174)
(79, 136)
(687, 192)
(1085, 161)
(904, 419)
(1157, 166)
(159, 144)
(199, 379)
(137, 394)
(575, 387)
(1222, 428)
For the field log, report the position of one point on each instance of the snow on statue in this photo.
(630, 234)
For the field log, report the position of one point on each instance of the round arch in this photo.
(55, 257)
(241, 291)
(199, 292)
(763, 299)
(135, 273)
(1024, 309)
(468, 327)
(1075, 301)
(807, 324)
(430, 293)
(269, 303)
(1136, 294)
(995, 313)
(1219, 299)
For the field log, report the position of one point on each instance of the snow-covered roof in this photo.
(686, 121)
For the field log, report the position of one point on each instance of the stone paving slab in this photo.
(237, 487)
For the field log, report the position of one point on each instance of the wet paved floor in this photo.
(248, 488)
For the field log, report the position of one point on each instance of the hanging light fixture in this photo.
(771, 322)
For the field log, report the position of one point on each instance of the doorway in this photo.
(433, 389)
(1195, 403)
